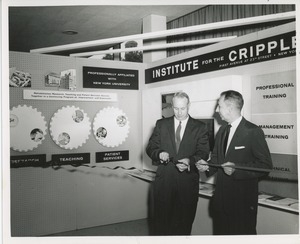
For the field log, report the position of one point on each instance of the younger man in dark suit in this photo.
(175, 145)
(234, 204)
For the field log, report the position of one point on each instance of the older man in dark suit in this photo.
(241, 152)
(175, 145)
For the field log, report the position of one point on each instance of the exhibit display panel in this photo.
(65, 171)
(262, 67)
(274, 109)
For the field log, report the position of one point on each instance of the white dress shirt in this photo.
(183, 125)
(234, 125)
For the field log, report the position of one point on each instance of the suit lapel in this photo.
(187, 129)
(172, 132)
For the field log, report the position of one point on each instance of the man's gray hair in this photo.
(181, 95)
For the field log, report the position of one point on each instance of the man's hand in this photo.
(228, 168)
(183, 164)
(164, 157)
(202, 165)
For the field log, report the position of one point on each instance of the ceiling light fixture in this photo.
(70, 32)
(171, 32)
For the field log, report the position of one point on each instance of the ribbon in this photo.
(249, 168)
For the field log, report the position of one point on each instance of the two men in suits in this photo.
(234, 203)
(175, 145)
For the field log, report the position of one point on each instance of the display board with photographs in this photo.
(27, 128)
(70, 127)
(111, 127)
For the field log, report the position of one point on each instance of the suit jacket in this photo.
(239, 192)
(194, 145)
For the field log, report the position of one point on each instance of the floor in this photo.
(131, 228)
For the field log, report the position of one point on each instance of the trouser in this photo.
(234, 223)
(171, 215)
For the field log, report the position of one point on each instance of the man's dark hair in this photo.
(234, 97)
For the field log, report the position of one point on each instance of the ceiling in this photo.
(40, 27)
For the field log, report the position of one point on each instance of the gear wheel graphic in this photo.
(70, 127)
(27, 128)
(111, 127)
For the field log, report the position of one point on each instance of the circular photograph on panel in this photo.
(101, 133)
(78, 116)
(13, 120)
(121, 120)
(36, 135)
(63, 139)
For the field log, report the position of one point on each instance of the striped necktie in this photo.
(177, 136)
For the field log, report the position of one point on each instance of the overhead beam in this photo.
(171, 32)
(155, 47)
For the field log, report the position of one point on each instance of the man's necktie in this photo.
(177, 136)
(226, 134)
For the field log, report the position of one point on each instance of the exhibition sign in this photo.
(69, 96)
(284, 168)
(280, 131)
(71, 158)
(273, 106)
(274, 93)
(37, 160)
(107, 78)
(271, 48)
(112, 156)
